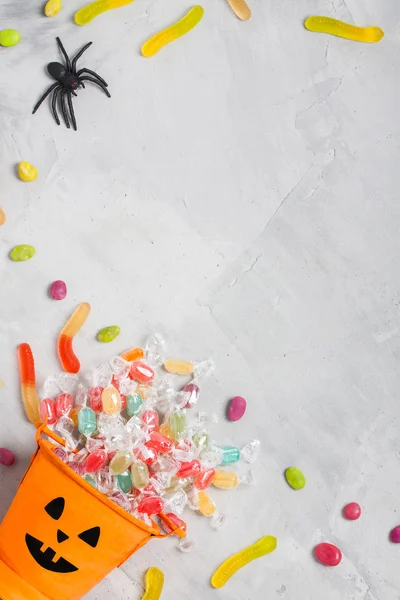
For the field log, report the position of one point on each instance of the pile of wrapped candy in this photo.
(136, 438)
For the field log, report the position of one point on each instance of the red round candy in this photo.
(176, 521)
(161, 443)
(7, 457)
(189, 469)
(150, 418)
(193, 390)
(204, 479)
(352, 511)
(141, 372)
(328, 554)
(95, 461)
(95, 398)
(64, 404)
(151, 505)
(47, 409)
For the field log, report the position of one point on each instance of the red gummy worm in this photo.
(26, 364)
(69, 360)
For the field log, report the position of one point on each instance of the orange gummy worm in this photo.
(28, 382)
(133, 354)
(68, 358)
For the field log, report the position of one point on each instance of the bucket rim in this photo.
(46, 446)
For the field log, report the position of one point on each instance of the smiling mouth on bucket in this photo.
(46, 559)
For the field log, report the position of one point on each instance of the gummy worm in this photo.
(240, 9)
(264, 546)
(28, 382)
(89, 12)
(344, 30)
(69, 360)
(175, 31)
(154, 584)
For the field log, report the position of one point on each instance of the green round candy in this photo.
(124, 482)
(22, 252)
(295, 478)
(9, 37)
(133, 404)
(108, 334)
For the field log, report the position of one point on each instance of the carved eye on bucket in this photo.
(91, 536)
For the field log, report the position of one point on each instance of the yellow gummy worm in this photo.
(240, 9)
(264, 546)
(161, 39)
(154, 584)
(344, 30)
(89, 12)
(75, 323)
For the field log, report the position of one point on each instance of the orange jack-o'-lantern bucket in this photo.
(61, 536)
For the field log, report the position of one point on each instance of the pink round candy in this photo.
(352, 511)
(7, 457)
(58, 290)
(236, 408)
(328, 554)
(395, 535)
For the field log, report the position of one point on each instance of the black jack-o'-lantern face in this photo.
(45, 558)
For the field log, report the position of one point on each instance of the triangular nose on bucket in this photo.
(60, 535)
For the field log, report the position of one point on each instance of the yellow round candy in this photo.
(26, 171)
(206, 505)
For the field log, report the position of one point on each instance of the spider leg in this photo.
(103, 87)
(67, 61)
(54, 105)
(43, 98)
(84, 70)
(77, 57)
(63, 108)
(74, 93)
(71, 111)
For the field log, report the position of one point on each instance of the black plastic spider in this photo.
(69, 80)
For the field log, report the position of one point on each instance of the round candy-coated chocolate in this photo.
(58, 290)
(7, 457)
(328, 554)
(236, 408)
(352, 511)
(395, 535)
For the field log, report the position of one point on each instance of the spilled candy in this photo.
(58, 290)
(9, 37)
(68, 358)
(295, 478)
(22, 252)
(154, 584)
(26, 171)
(344, 30)
(352, 511)
(89, 12)
(52, 8)
(2, 217)
(236, 408)
(108, 334)
(7, 458)
(264, 546)
(395, 535)
(328, 554)
(128, 433)
(175, 31)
